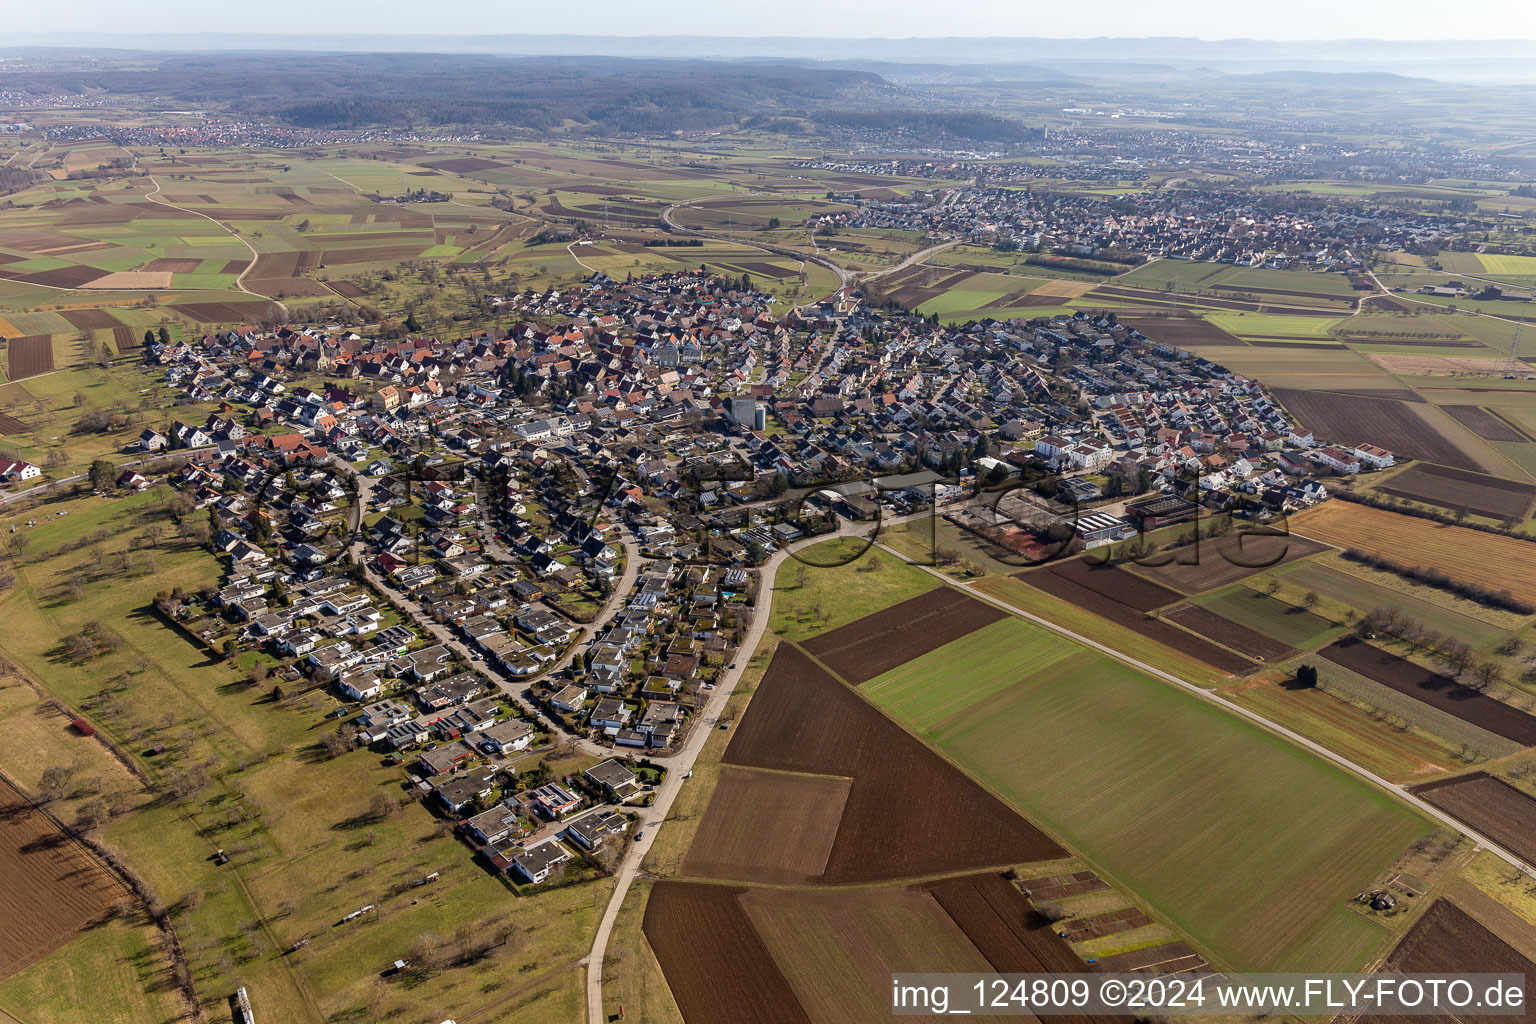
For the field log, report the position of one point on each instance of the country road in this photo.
(678, 768)
(915, 258)
(156, 197)
(845, 277)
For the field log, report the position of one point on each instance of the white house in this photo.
(1338, 460)
(1376, 458)
(11, 469)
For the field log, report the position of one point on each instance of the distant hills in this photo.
(1441, 59)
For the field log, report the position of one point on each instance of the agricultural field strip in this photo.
(863, 649)
(1128, 605)
(1104, 782)
(239, 281)
(1450, 488)
(1318, 749)
(1488, 802)
(1487, 559)
(1446, 939)
(816, 722)
(1433, 690)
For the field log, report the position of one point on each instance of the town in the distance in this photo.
(492, 537)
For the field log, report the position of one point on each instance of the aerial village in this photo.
(490, 548)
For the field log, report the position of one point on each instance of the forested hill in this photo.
(404, 90)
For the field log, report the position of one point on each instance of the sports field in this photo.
(1248, 844)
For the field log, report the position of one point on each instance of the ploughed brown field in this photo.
(1179, 331)
(768, 827)
(459, 165)
(1081, 929)
(286, 287)
(376, 254)
(30, 356)
(225, 312)
(1448, 488)
(1431, 688)
(1126, 599)
(1490, 806)
(908, 813)
(125, 339)
(11, 425)
(1488, 559)
(1228, 633)
(172, 265)
(283, 264)
(1348, 419)
(716, 964)
(346, 289)
(90, 319)
(52, 888)
(1485, 424)
(1217, 563)
(282, 274)
(826, 957)
(1397, 394)
(877, 643)
(64, 277)
(1169, 958)
(1010, 933)
(1447, 940)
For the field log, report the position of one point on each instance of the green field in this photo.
(1246, 843)
(1513, 266)
(1273, 325)
(990, 660)
(1399, 755)
(1085, 623)
(834, 594)
(1291, 625)
(1431, 607)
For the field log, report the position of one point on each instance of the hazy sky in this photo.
(1207, 19)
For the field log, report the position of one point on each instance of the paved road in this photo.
(141, 461)
(915, 258)
(678, 768)
(512, 686)
(1429, 810)
(1405, 297)
(156, 197)
(845, 277)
